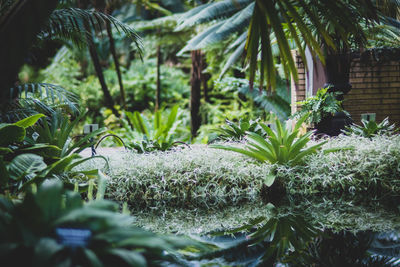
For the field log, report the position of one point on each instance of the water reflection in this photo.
(291, 240)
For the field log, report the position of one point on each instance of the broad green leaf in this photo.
(61, 165)
(25, 165)
(46, 151)
(131, 257)
(4, 177)
(10, 133)
(30, 121)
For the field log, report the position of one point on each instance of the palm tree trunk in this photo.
(99, 72)
(116, 64)
(204, 79)
(158, 88)
(195, 92)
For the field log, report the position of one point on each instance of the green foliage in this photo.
(39, 98)
(57, 131)
(277, 102)
(23, 163)
(322, 105)
(289, 23)
(236, 132)
(31, 230)
(139, 81)
(371, 128)
(281, 146)
(159, 137)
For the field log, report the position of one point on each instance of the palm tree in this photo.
(278, 24)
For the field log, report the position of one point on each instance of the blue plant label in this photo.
(71, 237)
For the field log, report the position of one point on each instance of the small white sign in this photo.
(89, 128)
(368, 116)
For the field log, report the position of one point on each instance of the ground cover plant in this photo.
(202, 176)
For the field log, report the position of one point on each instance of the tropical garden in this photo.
(160, 133)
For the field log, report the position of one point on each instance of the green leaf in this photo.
(25, 165)
(4, 176)
(61, 165)
(10, 133)
(131, 257)
(30, 121)
(46, 151)
(270, 179)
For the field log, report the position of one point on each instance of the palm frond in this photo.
(194, 42)
(70, 22)
(211, 12)
(43, 97)
(235, 55)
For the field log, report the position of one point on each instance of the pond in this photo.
(294, 233)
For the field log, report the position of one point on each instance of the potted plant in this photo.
(326, 112)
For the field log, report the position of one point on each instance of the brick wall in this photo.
(376, 89)
(298, 89)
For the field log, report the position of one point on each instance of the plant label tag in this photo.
(89, 128)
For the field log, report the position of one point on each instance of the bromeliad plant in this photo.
(280, 147)
(54, 227)
(371, 128)
(236, 132)
(160, 137)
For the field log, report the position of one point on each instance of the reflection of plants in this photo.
(32, 230)
(371, 128)
(342, 249)
(323, 105)
(233, 131)
(279, 234)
